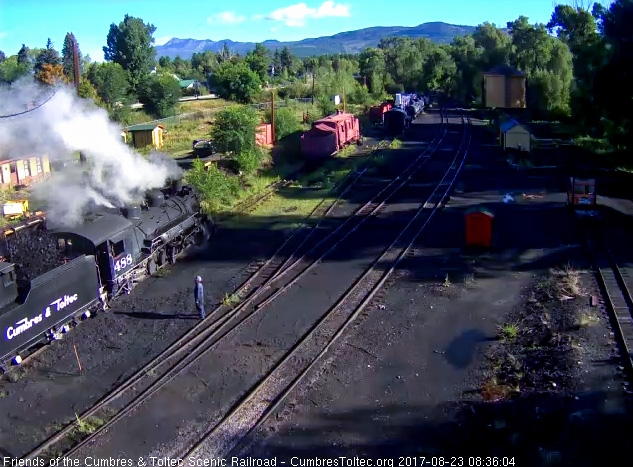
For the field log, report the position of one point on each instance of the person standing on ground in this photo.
(198, 294)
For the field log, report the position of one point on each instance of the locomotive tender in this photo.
(107, 255)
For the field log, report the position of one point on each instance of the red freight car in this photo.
(329, 135)
(377, 113)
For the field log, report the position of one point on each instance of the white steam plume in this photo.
(61, 127)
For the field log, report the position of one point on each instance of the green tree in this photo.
(234, 129)
(467, 56)
(216, 189)
(130, 45)
(286, 60)
(87, 90)
(204, 62)
(225, 54)
(110, 81)
(578, 28)
(11, 70)
(258, 60)
(23, 56)
(48, 56)
(182, 68)
(372, 68)
(236, 81)
(439, 71)
(612, 85)
(68, 55)
(165, 63)
(496, 45)
(159, 94)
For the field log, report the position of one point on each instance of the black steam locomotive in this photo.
(107, 255)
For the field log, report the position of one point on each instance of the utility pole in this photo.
(272, 114)
(343, 99)
(365, 81)
(76, 64)
(313, 86)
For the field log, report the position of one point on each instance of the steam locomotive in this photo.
(105, 256)
(406, 109)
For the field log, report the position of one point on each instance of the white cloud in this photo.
(295, 15)
(3, 34)
(161, 40)
(226, 17)
(330, 8)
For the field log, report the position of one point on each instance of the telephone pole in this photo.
(76, 64)
(272, 114)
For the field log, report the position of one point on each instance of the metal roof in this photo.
(505, 71)
(183, 83)
(98, 228)
(144, 127)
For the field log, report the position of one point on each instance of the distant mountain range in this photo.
(344, 42)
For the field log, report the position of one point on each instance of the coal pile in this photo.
(34, 253)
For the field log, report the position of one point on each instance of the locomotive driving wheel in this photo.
(160, 258)
(151, 267)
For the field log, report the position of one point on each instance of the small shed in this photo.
(147, 134)
(479, 227)
(24, 171)
(264, 134)
(513, 135)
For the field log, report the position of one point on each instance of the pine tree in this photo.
(68, 54)
(23, 55)
(48, 56)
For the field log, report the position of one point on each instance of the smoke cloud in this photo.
(65, 124)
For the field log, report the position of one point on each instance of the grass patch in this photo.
(347, 151)
(509, 332)
(230, 299)
(446, 282)
(586, 319)
(86, 427)
(395, 144)
(3, 393)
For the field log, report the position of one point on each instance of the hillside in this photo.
(344, 42)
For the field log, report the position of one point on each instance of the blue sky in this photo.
(33, 21)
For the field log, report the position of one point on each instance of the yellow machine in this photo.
(16, 209)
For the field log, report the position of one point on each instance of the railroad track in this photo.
(234, 432)
(195, 343)
(246, 205)
(193, 347)
(616, 292)
(143, 382)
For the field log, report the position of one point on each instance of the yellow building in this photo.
(504, 88)
(147, 134)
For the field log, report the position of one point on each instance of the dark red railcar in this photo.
(377, 113)
(329, 135)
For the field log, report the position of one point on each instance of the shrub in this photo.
(285, 122)
(249, 160)
(234, 129)
(215, 187)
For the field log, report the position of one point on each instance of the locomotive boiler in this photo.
(106, 255)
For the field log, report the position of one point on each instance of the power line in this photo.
(31, 110)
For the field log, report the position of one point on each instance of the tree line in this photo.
(577, 65)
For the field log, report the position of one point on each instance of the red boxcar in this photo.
(329, 135)
(377, 113)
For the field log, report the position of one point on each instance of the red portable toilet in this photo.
(479, 227)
